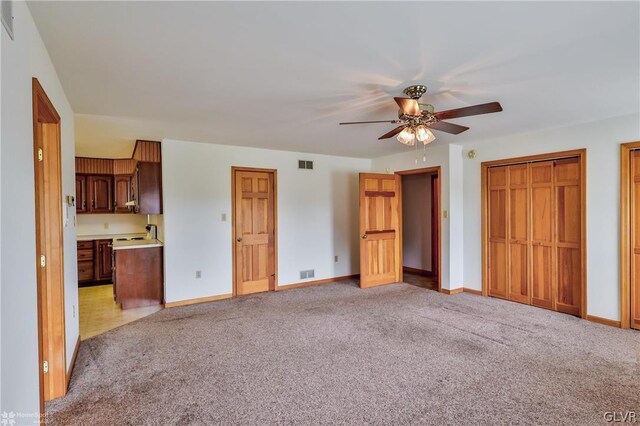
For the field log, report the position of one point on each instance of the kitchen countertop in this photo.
(136, 244)
(108, 236)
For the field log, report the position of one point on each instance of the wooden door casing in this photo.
(635, 238)
(254, 231)
(379, 229)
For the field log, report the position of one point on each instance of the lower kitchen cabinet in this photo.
(139, 277)
(94, 261)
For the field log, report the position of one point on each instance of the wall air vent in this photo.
(7, 16)
(303, 164)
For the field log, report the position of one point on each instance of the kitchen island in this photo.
(138, 273)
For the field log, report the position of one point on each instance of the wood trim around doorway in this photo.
(234, 169)
(626, 229)
(579, 153)
(49, 259)
(437, 171)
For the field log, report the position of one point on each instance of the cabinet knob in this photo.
(239, 239)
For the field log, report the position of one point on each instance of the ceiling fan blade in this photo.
(393, 132)
(408, 106)
(443, 126)
(471, 110)
(366, 122)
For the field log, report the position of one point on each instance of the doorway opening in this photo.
(49, 246)
(254, 230)
(420, 227)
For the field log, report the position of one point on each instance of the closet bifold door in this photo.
(568, 200)
(542, 235)
(518, 235)
(497, 231)
(635, 239)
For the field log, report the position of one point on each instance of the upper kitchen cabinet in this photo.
(107, 185)
(149, 184)
(81, 194)
(100, 194)
(123, 193)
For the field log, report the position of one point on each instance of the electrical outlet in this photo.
(335, 259)
(311, 273)
(198, 274)
(106, 225)
(223, 216)
(303, 275)
(74, 311)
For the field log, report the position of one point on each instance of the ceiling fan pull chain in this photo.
(424, 153)
(416, 154)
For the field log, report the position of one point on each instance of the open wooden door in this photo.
(380, 261)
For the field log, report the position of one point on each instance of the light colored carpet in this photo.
(336, 354)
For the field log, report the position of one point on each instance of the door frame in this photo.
(274, 172)
(431, 170)
(626, 230)
(49, 243)
(581, 154)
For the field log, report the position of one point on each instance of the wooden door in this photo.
(542, 234)
(81, 194)
(568, 202)
(104, 260)
(497, 231)
(254, 231)
(380, 261)
(122, 193)
(635, 239)
(518, 235)
(100, 194)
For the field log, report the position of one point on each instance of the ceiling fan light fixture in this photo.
(424, 134)
(407, 137)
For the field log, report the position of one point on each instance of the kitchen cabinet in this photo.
(94, 261)
(100, 194)
(81, 194)
(123, 191)
(104, 264)
(138, 277)
(148, 179)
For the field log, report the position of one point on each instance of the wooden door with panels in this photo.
(635, 238)
(380, 261)
(254, 230)
(533, 244)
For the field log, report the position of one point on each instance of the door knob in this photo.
(239, 239)
(364, 237)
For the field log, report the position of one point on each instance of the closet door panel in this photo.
(518, 217)
(542, 259)
(568, 235)
(497, 214)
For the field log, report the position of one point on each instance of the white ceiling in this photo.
(282, 75)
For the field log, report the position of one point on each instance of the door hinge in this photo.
(45, 366)
(43, 261)
(40, 154)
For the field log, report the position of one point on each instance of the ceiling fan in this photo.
(418, 119)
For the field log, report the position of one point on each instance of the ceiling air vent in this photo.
(303, 164)
(7, 16)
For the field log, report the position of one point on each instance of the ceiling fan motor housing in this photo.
(415, 91)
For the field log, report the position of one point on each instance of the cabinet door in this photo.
(104, 260)
(81, 194)
(100, 194)
(149, 185)
(497, 230)
(122, 191)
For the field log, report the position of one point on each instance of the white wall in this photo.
(602, 140)
(93, 224)
(416, 221)
(449, 158)
(317, 215)
(24, 58)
